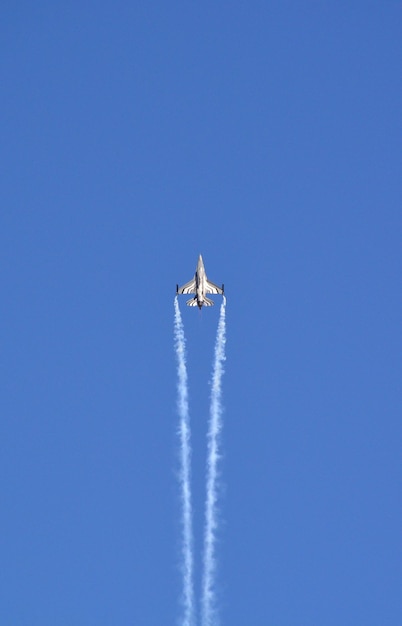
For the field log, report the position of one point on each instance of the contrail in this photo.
(209, 610)
(185, 472)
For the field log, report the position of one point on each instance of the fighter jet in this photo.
(199, 285)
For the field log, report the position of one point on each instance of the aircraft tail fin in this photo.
(208, 302)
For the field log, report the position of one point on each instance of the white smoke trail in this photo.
(185, 471)
(209, 611)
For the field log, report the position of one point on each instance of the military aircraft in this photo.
(199, 285)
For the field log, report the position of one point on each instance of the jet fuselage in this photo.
(200, 280)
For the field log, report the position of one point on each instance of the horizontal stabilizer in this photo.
(192, 302)
(208, 302)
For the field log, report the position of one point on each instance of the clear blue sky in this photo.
(267, 136)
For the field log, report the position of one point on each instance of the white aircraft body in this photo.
(200, 285)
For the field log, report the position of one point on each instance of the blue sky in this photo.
(267, 136)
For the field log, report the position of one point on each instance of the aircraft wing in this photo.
(189, 287)
(212, 288)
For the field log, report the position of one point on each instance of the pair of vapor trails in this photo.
(208, 599)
